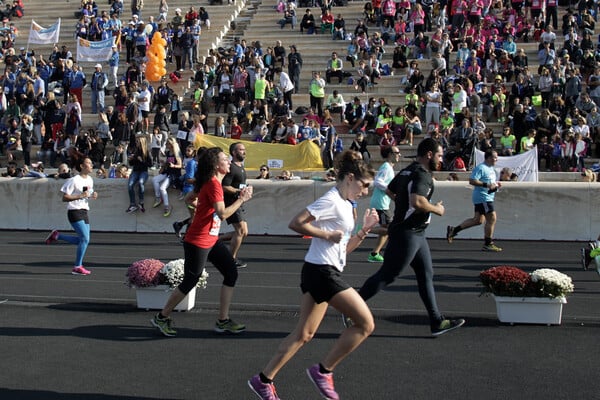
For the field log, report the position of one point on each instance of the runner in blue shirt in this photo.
(483, 179)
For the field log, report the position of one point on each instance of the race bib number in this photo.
(215, 226)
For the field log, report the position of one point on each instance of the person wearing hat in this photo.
(99, 83)
(177, 20)
(113, 63)
(129, 32)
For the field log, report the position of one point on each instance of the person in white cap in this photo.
(177, 20)
(99, 82)
(129, 42)
(113, 63)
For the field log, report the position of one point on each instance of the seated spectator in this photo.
(264, 172)
(289, 17)
(12, 171)
(327, 21)
(287, 175)
(421, 48)
(339, 28)
(335, 104)
(354, 115)
(360, 144)
(308, 22)
(335, 67)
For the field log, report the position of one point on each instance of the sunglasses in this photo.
(395, 152)
(363, 184)
(263, 169)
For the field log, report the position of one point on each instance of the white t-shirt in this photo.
(434, 96)
(144, 105)
(75, 186)
(332, 213)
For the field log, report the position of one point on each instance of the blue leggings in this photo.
(81, 240)
(406, 248)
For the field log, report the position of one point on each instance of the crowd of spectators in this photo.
(478, 74)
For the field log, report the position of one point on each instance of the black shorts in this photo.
(145, 113)
(385, 217)
(236, 217)
(484, 208)
(78, 215)
(321, 281)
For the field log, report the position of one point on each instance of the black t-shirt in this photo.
(235, 178)
(412, 179)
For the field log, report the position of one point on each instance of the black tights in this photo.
(195, 261)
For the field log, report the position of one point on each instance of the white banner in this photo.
(41, 35)
(94, 51)
(525, 165)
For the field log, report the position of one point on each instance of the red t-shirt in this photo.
(204, 230)
(236, 132)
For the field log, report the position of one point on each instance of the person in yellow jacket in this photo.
(317, 92)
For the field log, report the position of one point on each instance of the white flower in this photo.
(552, 282)
(173, 271)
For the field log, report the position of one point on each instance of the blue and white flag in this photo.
(40, 35)
(94, 51)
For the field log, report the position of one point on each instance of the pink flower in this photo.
(143, 273)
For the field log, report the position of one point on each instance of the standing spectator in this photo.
(329, 221)
(202, 244)
(294, 67)
(381, 199)
(287, 87)
(169, 172)
(412, 189)
(136, 7)
(156, 146)
(139, 161)
(99, 82)
(143, 100)
(113, 63)
(187, 43)
(483, 180)
(76, 192)
(76, 82)
(317, 93)
(234, 183)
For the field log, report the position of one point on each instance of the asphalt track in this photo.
(71, 337)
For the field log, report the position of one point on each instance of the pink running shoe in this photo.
(52, 237)
(264, 391)
(80, 270)
(323, 382)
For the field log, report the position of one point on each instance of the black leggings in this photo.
(406, 248)
(195, 261)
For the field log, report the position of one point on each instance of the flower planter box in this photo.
(530, 310)
(155, 298)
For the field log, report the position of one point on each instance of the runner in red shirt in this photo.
(201, 242)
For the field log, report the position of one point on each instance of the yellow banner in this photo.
(305, 156)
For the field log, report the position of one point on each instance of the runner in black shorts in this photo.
(330, 222)
(233, 183)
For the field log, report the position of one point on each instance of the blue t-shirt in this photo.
(485, 174)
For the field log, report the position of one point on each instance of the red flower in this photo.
(506, 280)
